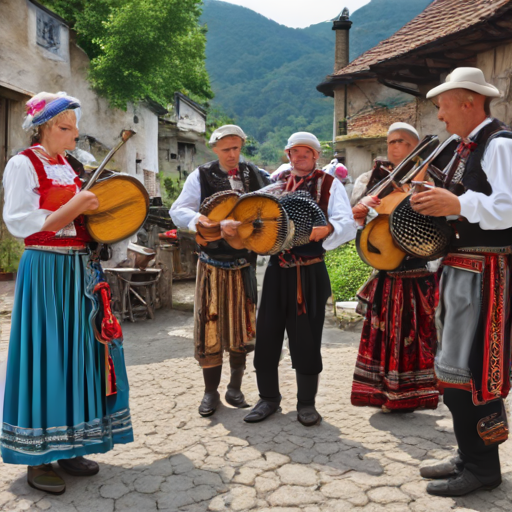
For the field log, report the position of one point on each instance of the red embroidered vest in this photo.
(54, 194)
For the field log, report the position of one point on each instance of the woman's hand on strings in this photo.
(67, 213)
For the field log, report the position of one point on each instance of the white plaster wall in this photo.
(427, 121)
(358, 160)
(497, 67)
(190, 119)
(26, 65)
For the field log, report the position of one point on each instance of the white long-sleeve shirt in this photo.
(184, 211)
(493, 211)
(21, 209)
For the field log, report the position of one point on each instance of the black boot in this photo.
(234, 395)
(211, 398)
(307, 387)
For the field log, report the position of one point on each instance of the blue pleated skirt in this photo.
(55, 404)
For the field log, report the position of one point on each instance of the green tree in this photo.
(140, 49)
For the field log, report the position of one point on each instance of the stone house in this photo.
(38, 52)
(182, 146)
(401, 69)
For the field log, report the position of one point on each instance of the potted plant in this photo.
(10, 254)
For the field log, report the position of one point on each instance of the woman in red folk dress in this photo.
(395, 363)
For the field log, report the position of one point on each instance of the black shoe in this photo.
(262, 410)
(209, 403)
(460, 485)
(79, 466)
(236, 398)
(309, 416)
(444, 469)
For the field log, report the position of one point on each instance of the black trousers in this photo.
(483, 461)
(278, 311)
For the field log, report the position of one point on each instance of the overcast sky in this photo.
(300, 13)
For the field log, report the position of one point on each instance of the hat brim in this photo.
(288, 148)
(485, 90)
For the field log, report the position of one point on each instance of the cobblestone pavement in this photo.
(357, 459)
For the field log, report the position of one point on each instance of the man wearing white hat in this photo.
(473, 359)
(226, 290)
(296, 287)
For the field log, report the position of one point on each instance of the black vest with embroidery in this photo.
(474, 178)
(213, 179)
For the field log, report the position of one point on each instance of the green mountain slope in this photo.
(265, 74)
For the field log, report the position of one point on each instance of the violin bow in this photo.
(125, 135)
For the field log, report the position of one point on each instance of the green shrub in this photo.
(347, 272)
(10, 254)
(172, 189)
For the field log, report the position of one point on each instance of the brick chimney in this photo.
(341, 25)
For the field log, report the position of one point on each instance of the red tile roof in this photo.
(375, 123)
(442, 18)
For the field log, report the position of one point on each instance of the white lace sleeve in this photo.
(21, 209)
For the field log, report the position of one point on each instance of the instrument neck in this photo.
(124, 137)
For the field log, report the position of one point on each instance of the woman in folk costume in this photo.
(63, 399)
(395, 364)
(296, 287)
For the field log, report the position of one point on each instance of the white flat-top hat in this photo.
(226, 131)
(403, 126)
(466, 78)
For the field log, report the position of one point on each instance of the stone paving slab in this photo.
(357, 459)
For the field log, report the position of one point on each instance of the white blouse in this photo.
(184, 211)
(21, 209)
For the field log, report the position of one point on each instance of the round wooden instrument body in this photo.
(264, 224)
(375, 244)
(124, 206)
(219, 205)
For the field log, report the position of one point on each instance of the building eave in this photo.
(425, 64)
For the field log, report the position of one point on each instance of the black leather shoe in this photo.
(444, 469)
(209, 403)
(309, 416)
(460, 485)
(79, 466)
(262, 410)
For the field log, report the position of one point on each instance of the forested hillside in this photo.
(265, 75)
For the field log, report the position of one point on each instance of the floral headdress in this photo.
(45, 106)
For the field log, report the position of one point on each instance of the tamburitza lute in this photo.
(124, 202)
(268, 224)
(398, 231)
